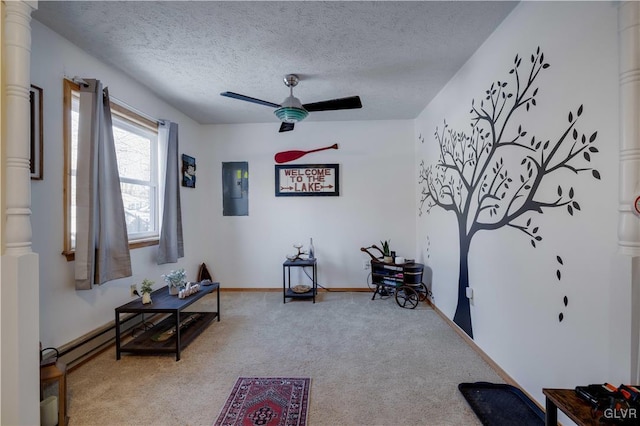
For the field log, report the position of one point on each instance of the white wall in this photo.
(65, 313)
(517, 296)
(376, 200)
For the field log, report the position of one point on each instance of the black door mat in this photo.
(498, 404)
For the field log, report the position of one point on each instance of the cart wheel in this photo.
(407, 297)
(372, 286)
(423, 292)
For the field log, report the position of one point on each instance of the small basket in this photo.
(301, 289)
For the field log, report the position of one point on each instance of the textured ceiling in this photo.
(395, 55)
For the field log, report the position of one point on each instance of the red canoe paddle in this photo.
(286, 156)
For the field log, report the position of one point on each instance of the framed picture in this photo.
(36, 159)
(308, 180)
(188, 171)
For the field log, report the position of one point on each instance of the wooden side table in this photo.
(570, 404)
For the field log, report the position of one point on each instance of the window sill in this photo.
(71, 255)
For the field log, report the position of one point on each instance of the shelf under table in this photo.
(148, 342)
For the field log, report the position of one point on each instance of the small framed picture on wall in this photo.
(188, 171)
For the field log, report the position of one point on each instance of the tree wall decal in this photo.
(491, 178)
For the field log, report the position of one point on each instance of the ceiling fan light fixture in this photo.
(291, 111)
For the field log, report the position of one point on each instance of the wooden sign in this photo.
(307, 180)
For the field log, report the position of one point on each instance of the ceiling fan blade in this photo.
(249, 99)
(352, 102)
(286, 127)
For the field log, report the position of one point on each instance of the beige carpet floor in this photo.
(370, 363)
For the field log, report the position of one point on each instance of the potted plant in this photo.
(145, 289)
(386, 251)
(175, 280)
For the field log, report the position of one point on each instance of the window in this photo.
(136, 141)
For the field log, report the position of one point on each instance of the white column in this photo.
(629, 178)
(19, 295)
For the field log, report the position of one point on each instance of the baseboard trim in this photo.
(499, 371)
(272, 289)
(88, 346)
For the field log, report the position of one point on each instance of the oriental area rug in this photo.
(255, 401)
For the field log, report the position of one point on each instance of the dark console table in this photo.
(286, 279)
(165, 337)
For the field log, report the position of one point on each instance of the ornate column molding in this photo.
(629, 82)
(17, 178)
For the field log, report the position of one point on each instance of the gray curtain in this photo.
(102, 246)
(171, 246)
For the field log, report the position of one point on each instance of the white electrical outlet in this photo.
(132, 290)
(469, 293)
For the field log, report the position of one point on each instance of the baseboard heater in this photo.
(89, 345)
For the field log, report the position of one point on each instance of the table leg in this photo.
(177, 335)
(117, 336)
(218, 301)
(284, 286)
(551, 414)
(376, 292)
(315, 282)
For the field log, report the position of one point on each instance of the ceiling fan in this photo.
(291, 110)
